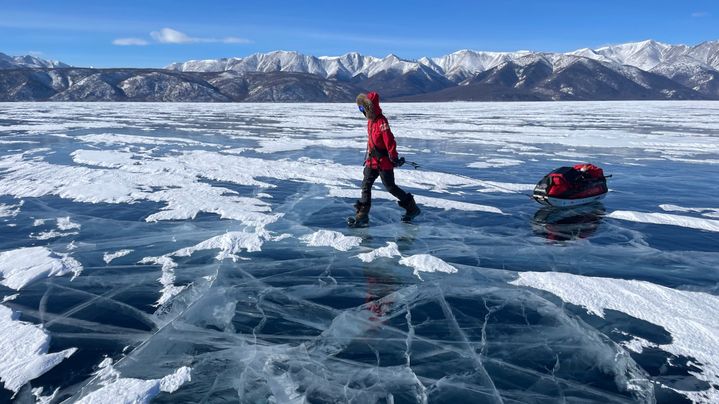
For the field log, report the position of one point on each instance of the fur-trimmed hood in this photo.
(370, 102)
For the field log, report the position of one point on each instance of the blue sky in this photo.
(155, 33)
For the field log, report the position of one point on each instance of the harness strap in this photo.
(376, 153)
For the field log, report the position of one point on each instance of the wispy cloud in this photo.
(700, 14)
(130, 42)
(172, 36)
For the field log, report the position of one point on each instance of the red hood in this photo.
(374, 97)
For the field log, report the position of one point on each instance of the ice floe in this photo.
(24, 265)
(24, 351)
(667, 219)
(329, 238)
(692, 318)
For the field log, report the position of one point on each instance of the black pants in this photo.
(370, 175)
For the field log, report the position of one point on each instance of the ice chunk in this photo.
(24, 265)
(666, 218)
(427, 263)
(137, 391)
(388, 251)
(692, 318)
(23, 351)
(329, 238)
(108, 257)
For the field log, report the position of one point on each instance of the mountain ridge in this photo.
(631, 71)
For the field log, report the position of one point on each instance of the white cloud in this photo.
(700, 14)
(169, 35)
(234, 39)
(130, 42)
(173, 36)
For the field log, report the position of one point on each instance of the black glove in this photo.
(398, 162)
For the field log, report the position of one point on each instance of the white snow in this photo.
(289, 144)
(229, 244)
(426, 263)
(122, 139)
(136, 391)
(24, 265)
(496, 163)
(433, 202)
(706, 212)
(667, 219)
(388, 251)
(10, 210)
(167, 279)
(329, 238)
(692, 318)
(109, 257)
(47, 235)
(23, 351)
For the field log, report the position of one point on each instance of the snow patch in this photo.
(692, 318)
(668, 219)
(329, 238)
(108, 257)
(706, 212)
(167, 279)
(23, 351)
(121, 390)
(439, 203)
(25, 265)
(10, 210)
(388, 251)
(426, 263)
(495, 163)
(229, 244)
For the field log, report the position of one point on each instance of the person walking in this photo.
(380, 160)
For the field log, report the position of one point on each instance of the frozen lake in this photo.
(199, 253)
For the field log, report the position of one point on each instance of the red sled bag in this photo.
(571, 186)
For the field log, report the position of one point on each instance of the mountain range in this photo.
(640, 70)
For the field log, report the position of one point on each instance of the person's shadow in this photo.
(564, 224)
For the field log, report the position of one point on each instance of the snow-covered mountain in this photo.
(637, 71)
(457, 66)
(27, 61)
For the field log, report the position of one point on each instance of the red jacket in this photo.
(380, 137)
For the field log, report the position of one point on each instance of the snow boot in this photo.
(411, 208)
(361, 218)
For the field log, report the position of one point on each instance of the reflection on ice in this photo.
(562, 224)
